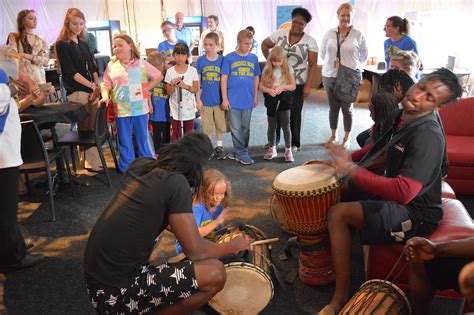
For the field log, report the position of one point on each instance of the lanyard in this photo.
(338, 54)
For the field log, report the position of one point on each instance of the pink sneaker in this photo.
(271, 153)
(289, 155)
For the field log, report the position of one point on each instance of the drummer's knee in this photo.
(212, 276)
(335, 214)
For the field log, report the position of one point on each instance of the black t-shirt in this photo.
(75, 58)
(419, 155)
(123, 237)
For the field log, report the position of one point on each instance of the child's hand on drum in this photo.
(239, 244)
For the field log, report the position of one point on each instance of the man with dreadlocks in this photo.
(406, 200)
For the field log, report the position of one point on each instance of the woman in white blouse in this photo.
(353, 54)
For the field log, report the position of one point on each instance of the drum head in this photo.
(247, 291)
(305, 178)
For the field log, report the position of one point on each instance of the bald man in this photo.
(183, 33)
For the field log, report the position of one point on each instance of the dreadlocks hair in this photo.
(449, 79)
(188, 157)
(383, 104)
(395, 79)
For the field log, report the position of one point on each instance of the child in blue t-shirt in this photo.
(208, 100)
(239, 86)
(210, 204)
(160, 117)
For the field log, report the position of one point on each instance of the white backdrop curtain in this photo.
(440, 27)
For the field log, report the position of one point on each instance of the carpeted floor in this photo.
(57, 287)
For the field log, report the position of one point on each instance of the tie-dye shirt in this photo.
(129, 85)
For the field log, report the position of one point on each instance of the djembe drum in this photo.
(303, 195)
(378, 297)
(249, 287)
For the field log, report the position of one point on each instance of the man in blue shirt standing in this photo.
(183, 33)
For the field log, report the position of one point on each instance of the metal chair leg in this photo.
(68, 169)
(112, 151)
(51, 191)
(104, 165)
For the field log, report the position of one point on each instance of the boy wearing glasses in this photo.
(169, 32)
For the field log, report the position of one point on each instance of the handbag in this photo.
(347, 84)
(348, 80)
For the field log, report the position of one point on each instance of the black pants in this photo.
(295, 118)
(12, 244)
(363, 137)
(161, 133)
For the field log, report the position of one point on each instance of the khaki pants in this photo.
(90, 157)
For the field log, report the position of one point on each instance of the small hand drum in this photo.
(249, 287)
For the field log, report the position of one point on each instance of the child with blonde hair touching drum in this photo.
(210, 204)
(278, 80)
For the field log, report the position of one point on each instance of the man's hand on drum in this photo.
(419, 248)
(239, 244)
(342, 160)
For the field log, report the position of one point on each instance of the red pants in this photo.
(188, 127)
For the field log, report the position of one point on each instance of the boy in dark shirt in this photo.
(406, 201)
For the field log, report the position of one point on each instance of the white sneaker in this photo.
(271, 153)
(346, 143)
(295, 149)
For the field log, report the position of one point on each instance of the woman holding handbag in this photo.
(343, 50)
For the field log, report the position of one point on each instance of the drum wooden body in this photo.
(315, 262)
(249, 287)
(378, 297)
(305, 193)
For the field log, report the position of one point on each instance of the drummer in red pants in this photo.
(406, 200)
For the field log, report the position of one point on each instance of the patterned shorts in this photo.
(151, 287)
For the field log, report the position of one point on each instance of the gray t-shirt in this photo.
(297, 53)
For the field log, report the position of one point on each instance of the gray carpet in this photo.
(57, 287)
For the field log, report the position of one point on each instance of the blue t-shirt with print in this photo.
(203, 217)
(167, 48)
(240, 83)
(161, 107)
(391, 47)
(210, 72)
(185, 35)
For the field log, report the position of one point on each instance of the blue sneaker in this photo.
(232, 156)
(246, 160)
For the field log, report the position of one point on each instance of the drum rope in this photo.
(395, 266)
(274, 268)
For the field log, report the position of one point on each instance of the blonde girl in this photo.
(210, 204)
(278, 80)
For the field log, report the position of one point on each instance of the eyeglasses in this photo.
(388, 26)
(166, 30)
(298, 23)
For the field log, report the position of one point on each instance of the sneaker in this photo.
(330, 141)
(219, 153)
(295, 149)
(271, 153)
(266, 146)
(231, 156)
(245, 160)
(29, 260)
(346, 143)
(289, 155)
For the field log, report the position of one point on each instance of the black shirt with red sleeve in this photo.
(418, 156)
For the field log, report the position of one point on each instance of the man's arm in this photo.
(267, 44)
(421, 248)
(197, 248)
(312, 67)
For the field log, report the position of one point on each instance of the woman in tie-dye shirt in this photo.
(128, 78)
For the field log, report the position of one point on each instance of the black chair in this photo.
(95, 138)
(37, 159)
